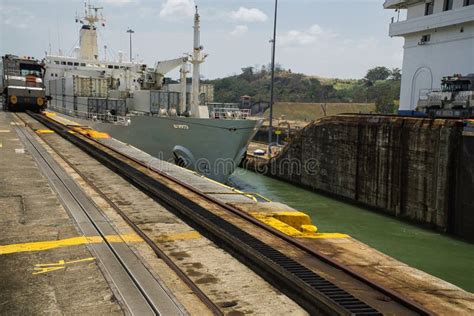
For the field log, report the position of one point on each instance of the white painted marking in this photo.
(19, 150)
(180, 126)
(4, 131)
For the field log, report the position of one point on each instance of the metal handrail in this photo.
(230, 113)
(92, 116)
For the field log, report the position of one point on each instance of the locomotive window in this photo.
(30, 69)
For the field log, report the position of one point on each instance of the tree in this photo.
(396, 74)
(247, 73)
(378, 73)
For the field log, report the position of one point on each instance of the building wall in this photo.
(418, 10)
(448, 52)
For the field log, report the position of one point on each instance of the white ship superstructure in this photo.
(439, 42)
(130, 101)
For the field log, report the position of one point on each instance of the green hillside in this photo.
(381, 86)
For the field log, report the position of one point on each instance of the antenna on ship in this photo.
(196, 59)
(88, 33)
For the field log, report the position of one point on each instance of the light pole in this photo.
(270, 128)
(131, 32)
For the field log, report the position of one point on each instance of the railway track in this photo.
(311, 290)
(139, 291)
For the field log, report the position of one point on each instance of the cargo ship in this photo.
(130, 101)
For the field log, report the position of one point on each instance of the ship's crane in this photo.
(154, 77)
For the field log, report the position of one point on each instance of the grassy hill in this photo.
(313, 111)
(381, 87)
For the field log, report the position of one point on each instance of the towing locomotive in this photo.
(21, 84)
(454, 99)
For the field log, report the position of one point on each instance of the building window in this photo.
(429, 6)
(468, 2)
(448, 5)
(425, 39)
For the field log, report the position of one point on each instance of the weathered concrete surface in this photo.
(31, 212)
(464, 215)
(227, 282)
(402, 166)
(438, 296)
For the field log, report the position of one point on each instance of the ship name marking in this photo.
(179, 126)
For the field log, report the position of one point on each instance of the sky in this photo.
(326, 38)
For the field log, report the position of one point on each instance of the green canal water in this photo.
(440, 255)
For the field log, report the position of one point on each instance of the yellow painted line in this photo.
(49, 267)
(75, 241)
(1, 145)
(122, 238)
(328, 236)
(44, 131)
(179, 236)
(270, 220)
(61, 120)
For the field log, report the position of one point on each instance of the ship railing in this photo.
(230, 113)
(95, 117)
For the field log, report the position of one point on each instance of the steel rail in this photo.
(390, 293)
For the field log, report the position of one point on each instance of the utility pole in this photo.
(131, 32)
(270, 128)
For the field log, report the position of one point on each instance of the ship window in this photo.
(426, 38)
(429, 6)
(63, 63)
(69, 63)
(83, 64)
(56, 62)
(110, 66)
(116, 67)
(448, 5)
(76, 64)
(468, 2)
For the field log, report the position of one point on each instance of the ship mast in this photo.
(196, 60)
(88, 33)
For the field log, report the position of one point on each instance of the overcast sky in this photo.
(328, 38)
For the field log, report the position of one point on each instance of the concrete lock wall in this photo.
(405, 167)
(463, 220)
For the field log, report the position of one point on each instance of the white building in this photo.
(439, 41)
